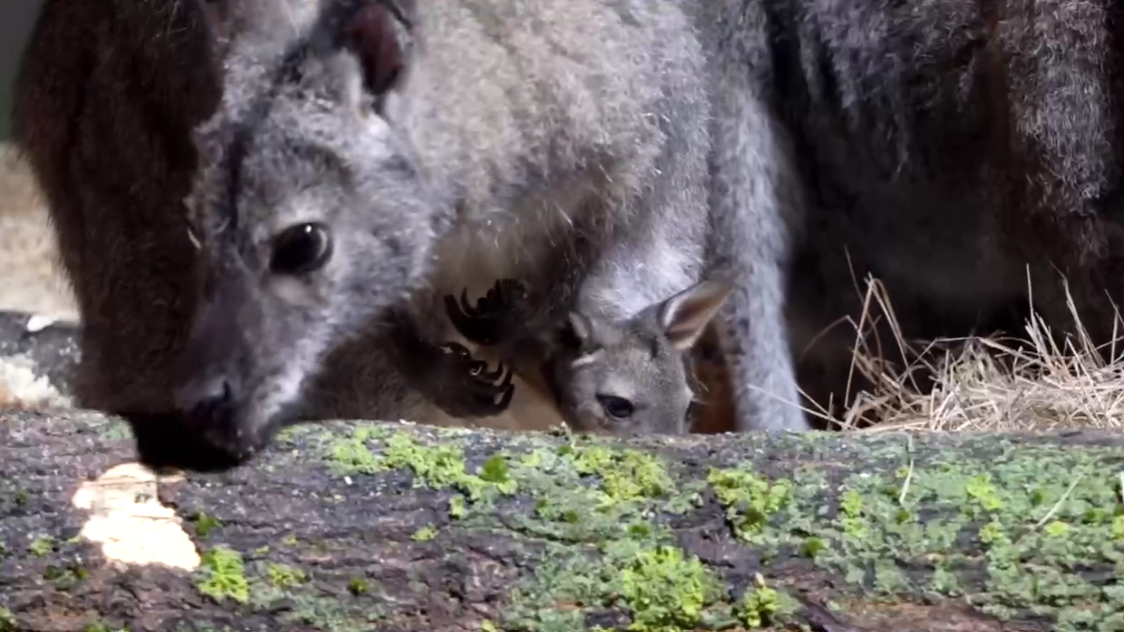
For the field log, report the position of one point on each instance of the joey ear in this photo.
(683, 317)
(370, 36)
(576, 332)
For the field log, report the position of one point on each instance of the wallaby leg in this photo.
(754, 206)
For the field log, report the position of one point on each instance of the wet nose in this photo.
(211, 399)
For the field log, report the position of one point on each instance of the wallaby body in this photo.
(401, 186)
(938, 145)
(941, 148)
(624, 376)
(882, 158)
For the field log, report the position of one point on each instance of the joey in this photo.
(623, 377)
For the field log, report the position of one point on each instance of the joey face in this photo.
(310, 215)
(624, 382)
(628, 377)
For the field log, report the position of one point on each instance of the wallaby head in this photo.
(310, 215)
(628, 377)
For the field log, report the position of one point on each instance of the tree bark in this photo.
(369, 526)
(49, 346)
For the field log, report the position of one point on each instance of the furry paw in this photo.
(495, 316)
(463, 387)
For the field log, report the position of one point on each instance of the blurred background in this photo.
(29, 278)
(16, 19)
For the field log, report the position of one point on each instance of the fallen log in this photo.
(371, 526)
(37, 359)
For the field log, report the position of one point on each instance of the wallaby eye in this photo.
(618, 407)
(301, 249)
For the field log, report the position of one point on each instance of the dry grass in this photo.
(1024, 383)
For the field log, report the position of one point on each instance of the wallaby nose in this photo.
(211, 399)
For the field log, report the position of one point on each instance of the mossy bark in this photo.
(365, 526)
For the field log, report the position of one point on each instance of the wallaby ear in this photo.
(683, 317)
(370, 35)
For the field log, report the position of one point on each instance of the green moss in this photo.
(66, 577)
(625, 474)
(358, 586)
(762, 606)
(7, 620)
(41, 545)
(113, 430)
(495, 470)
(441, 466)
(204, 524)
(284, 576)
(598, 506)
(223, 576)
(328, 614)
(664, 588)
(749, 499)
(658, 585)
(1035, 522)
(424, 534)
(1025, 518)
(456, 507)
(353, 456)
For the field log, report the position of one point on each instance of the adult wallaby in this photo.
(625, 376)
(352, 174)
(496, 135)
(937, 145)
(841, 139)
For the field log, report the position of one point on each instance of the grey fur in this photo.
(943, 146)
(639, 362)
(507, 148)
(622, 376)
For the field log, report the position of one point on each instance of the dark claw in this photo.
(487, 385)
(487, 399)
(494, 375)
(505, 401)
(466, 321)
(493, 316)
(466, 308)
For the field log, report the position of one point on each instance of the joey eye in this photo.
(301, 249)
(617, 407)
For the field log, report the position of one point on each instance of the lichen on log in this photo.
(382, 526)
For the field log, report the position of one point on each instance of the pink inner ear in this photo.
(372, 38)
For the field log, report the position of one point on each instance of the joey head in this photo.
(624, 376)
(630, 377)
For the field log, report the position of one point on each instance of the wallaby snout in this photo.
(213, 392)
